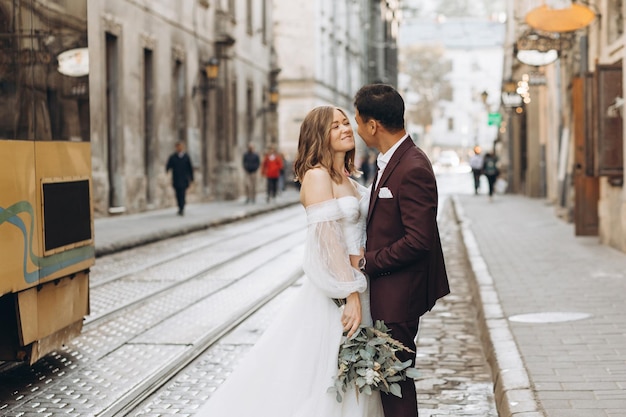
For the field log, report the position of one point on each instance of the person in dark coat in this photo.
(491, 171)
(182, 174)
(251, 164)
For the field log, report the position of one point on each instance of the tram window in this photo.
(66, 213)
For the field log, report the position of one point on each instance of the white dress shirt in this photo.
(383, 158)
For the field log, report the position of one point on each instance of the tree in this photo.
(428, 69)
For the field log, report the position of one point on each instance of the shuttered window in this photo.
(609, 144)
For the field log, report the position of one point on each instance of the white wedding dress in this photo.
(288, 372)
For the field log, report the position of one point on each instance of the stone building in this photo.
(327, 53)
(162, 71)
(467, 51)
(565, 138)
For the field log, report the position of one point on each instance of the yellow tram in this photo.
(46, 212)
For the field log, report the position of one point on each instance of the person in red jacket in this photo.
(272, 165)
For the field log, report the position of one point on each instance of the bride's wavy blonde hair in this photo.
(314, 145)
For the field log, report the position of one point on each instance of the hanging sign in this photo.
(494, 119)
(74, 62)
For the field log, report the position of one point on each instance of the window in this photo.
(609, 144)
(148, 112)
(179, 100)
(249, 112)
(264, 21)
(114, 153)
(249, 13)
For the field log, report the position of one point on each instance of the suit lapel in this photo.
(395, 160)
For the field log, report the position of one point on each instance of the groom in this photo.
(403, 255)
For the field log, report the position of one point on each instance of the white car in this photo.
(448, 159)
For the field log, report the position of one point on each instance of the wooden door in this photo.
(587, 186)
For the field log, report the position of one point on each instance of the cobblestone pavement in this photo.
(455, 377)
(456, 380)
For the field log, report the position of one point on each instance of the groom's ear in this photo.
(372, 126)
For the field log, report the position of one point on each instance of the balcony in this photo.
(224, 28)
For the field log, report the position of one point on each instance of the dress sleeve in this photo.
(326, 260)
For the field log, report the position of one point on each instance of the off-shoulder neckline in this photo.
(335, 199)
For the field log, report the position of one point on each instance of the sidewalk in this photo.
(117, 233)
(553, 309)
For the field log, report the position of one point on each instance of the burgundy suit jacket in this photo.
(404, 259)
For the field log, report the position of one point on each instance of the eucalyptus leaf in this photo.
(395, 390)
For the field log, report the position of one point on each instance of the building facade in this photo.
(327, 53)
(467, 53)
(197, 71)
(565, 138)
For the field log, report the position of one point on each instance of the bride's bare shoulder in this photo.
(316, 186)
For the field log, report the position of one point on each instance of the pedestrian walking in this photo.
(251, 164)
(476, 163)
(182, 174)
(491, 171)
(272, 165)
(403, 255)
(309, 330)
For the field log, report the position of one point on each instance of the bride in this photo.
(288, 372)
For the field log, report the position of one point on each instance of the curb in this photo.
(513, 392)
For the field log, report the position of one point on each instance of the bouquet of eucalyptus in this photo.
(368, 362)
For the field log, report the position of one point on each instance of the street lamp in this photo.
(210, 71)
(212, 68)
(273, 97)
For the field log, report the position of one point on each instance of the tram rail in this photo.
(93, 319)
(127, 404)
(250, 257)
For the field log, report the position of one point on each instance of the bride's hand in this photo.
(351, 317)
(354, 261)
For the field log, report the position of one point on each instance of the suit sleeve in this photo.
(417, 205)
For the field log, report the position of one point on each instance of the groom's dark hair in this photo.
(382, 103)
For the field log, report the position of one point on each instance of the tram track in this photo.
(93, 320)
(127, 404)
(200, 244)
(246, 255)
(146, 387)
